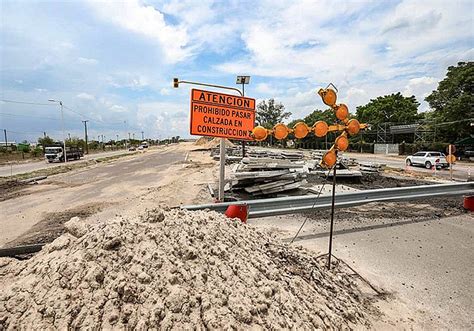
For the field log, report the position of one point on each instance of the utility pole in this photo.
(44, 148)
(62, 124)
(85, 135)
(143, 136)
(6, 142)
(69, 136)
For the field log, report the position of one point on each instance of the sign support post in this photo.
(222, 170)
(333, 201)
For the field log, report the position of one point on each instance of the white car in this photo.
(427, 160)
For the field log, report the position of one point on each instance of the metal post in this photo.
(450, 164)
(85, 135)
(6, 142)
(222, 170)
(243, 141)
(64, 137)
(333, 201)
(143, 136)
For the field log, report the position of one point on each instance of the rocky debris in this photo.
(175, 269)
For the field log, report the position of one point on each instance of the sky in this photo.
(112, 62)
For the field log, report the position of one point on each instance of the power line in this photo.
(24, 132)
(22, 115)
(26, 103)
(67, 108)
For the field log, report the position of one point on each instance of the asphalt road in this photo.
(429, 264)
(15, 168)
(105, 184)
(426, 263)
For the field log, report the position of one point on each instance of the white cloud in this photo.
(166, 118)
(265, 88)
(165, 91)
(84, 60)
(118, 109)
(147, 21)
(85, 96)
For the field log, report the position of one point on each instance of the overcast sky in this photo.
(113, 62)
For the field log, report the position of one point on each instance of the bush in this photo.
(409, 149)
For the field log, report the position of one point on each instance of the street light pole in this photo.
(62, 124)
(243, 80)
(85, 135)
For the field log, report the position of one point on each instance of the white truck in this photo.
(55, 153)
(427, 159)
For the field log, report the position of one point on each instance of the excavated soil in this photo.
(10, 188)
(175, 269)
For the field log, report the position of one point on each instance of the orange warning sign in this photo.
(221, 115)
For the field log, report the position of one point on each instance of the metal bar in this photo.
(211, 85)
(307, 203)
(19, 250)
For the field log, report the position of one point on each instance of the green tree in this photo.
(320, 115)
(45, 141)
(271, 113)
(393, 108)
(453, 101)
(76, 142)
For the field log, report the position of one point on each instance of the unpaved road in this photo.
(127, 184)
(15, 168)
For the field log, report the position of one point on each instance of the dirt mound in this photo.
(174, 269)
(202, 141)
(216, 142)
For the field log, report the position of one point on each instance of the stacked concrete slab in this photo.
(264, 175)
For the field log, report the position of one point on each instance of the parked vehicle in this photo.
(56, 153)
(428, 160)
(132, 149)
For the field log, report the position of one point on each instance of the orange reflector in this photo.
(329, 96)
(301, 130)
(329, 159)
(320, 128)
(259, 133)
(342, 112)
(450, 158)
(342, 143)
(353, 127)
(280, 131)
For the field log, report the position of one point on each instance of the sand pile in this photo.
(216, 142)
(208, 142)
(202, 141)
(174, 269)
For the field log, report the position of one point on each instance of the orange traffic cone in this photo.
(238, 211)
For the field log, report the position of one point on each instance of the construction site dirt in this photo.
(386, 245)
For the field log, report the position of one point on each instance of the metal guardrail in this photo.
(307, 203)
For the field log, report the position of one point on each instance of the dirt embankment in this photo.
(175, 269)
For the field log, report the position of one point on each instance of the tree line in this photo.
(449, 118)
